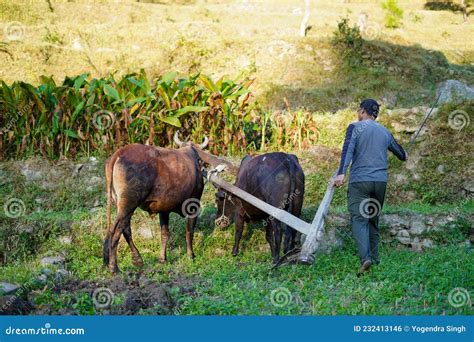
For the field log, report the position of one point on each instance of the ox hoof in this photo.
(138, 262)
(191, 256)
(234, 254)
(162, 260)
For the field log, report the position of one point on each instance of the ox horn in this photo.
(176, 139)
(204, 144)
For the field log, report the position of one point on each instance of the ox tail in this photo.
(292, 171)
(109, 166)
(290, 233)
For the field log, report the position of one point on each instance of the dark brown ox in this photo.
(157, 180)
(275, 178)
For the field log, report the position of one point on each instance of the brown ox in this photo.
(159, 181)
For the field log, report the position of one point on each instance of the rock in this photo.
(46, 271)
(65, 240)
(440, 169)
(30, 175)
(8, 288)
(404, 237)
(454, 91)
(427, 243)
(45, 185)
(57, 260)
(42, 278)
(77, 169)
(468, 186)
(390, 100)
(40, 200)
(408, 120)
(61, 274)
(417, 226)
(416, 245)
(394, 221)
(26, 228)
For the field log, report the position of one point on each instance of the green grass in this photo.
(406, 282)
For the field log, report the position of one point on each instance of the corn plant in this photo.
(82, 116)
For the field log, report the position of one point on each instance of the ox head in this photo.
(225, 209)
(186, 143)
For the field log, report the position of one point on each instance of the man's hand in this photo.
(339, 180)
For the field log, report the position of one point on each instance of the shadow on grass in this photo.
(400, 75)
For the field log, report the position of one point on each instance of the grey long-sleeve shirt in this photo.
(366, 145)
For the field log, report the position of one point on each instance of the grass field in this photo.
(218, 38)
(406, 282)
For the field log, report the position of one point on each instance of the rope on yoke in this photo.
(218, 169)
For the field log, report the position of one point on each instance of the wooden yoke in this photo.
(213, 161)
(313, 231)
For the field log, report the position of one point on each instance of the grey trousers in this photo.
(365, 202)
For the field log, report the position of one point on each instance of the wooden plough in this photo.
(313, 231)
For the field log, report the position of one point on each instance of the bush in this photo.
(347, 37)
(393, 14)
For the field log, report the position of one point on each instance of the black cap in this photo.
(371, 107)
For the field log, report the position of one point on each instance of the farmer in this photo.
(366, 146)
